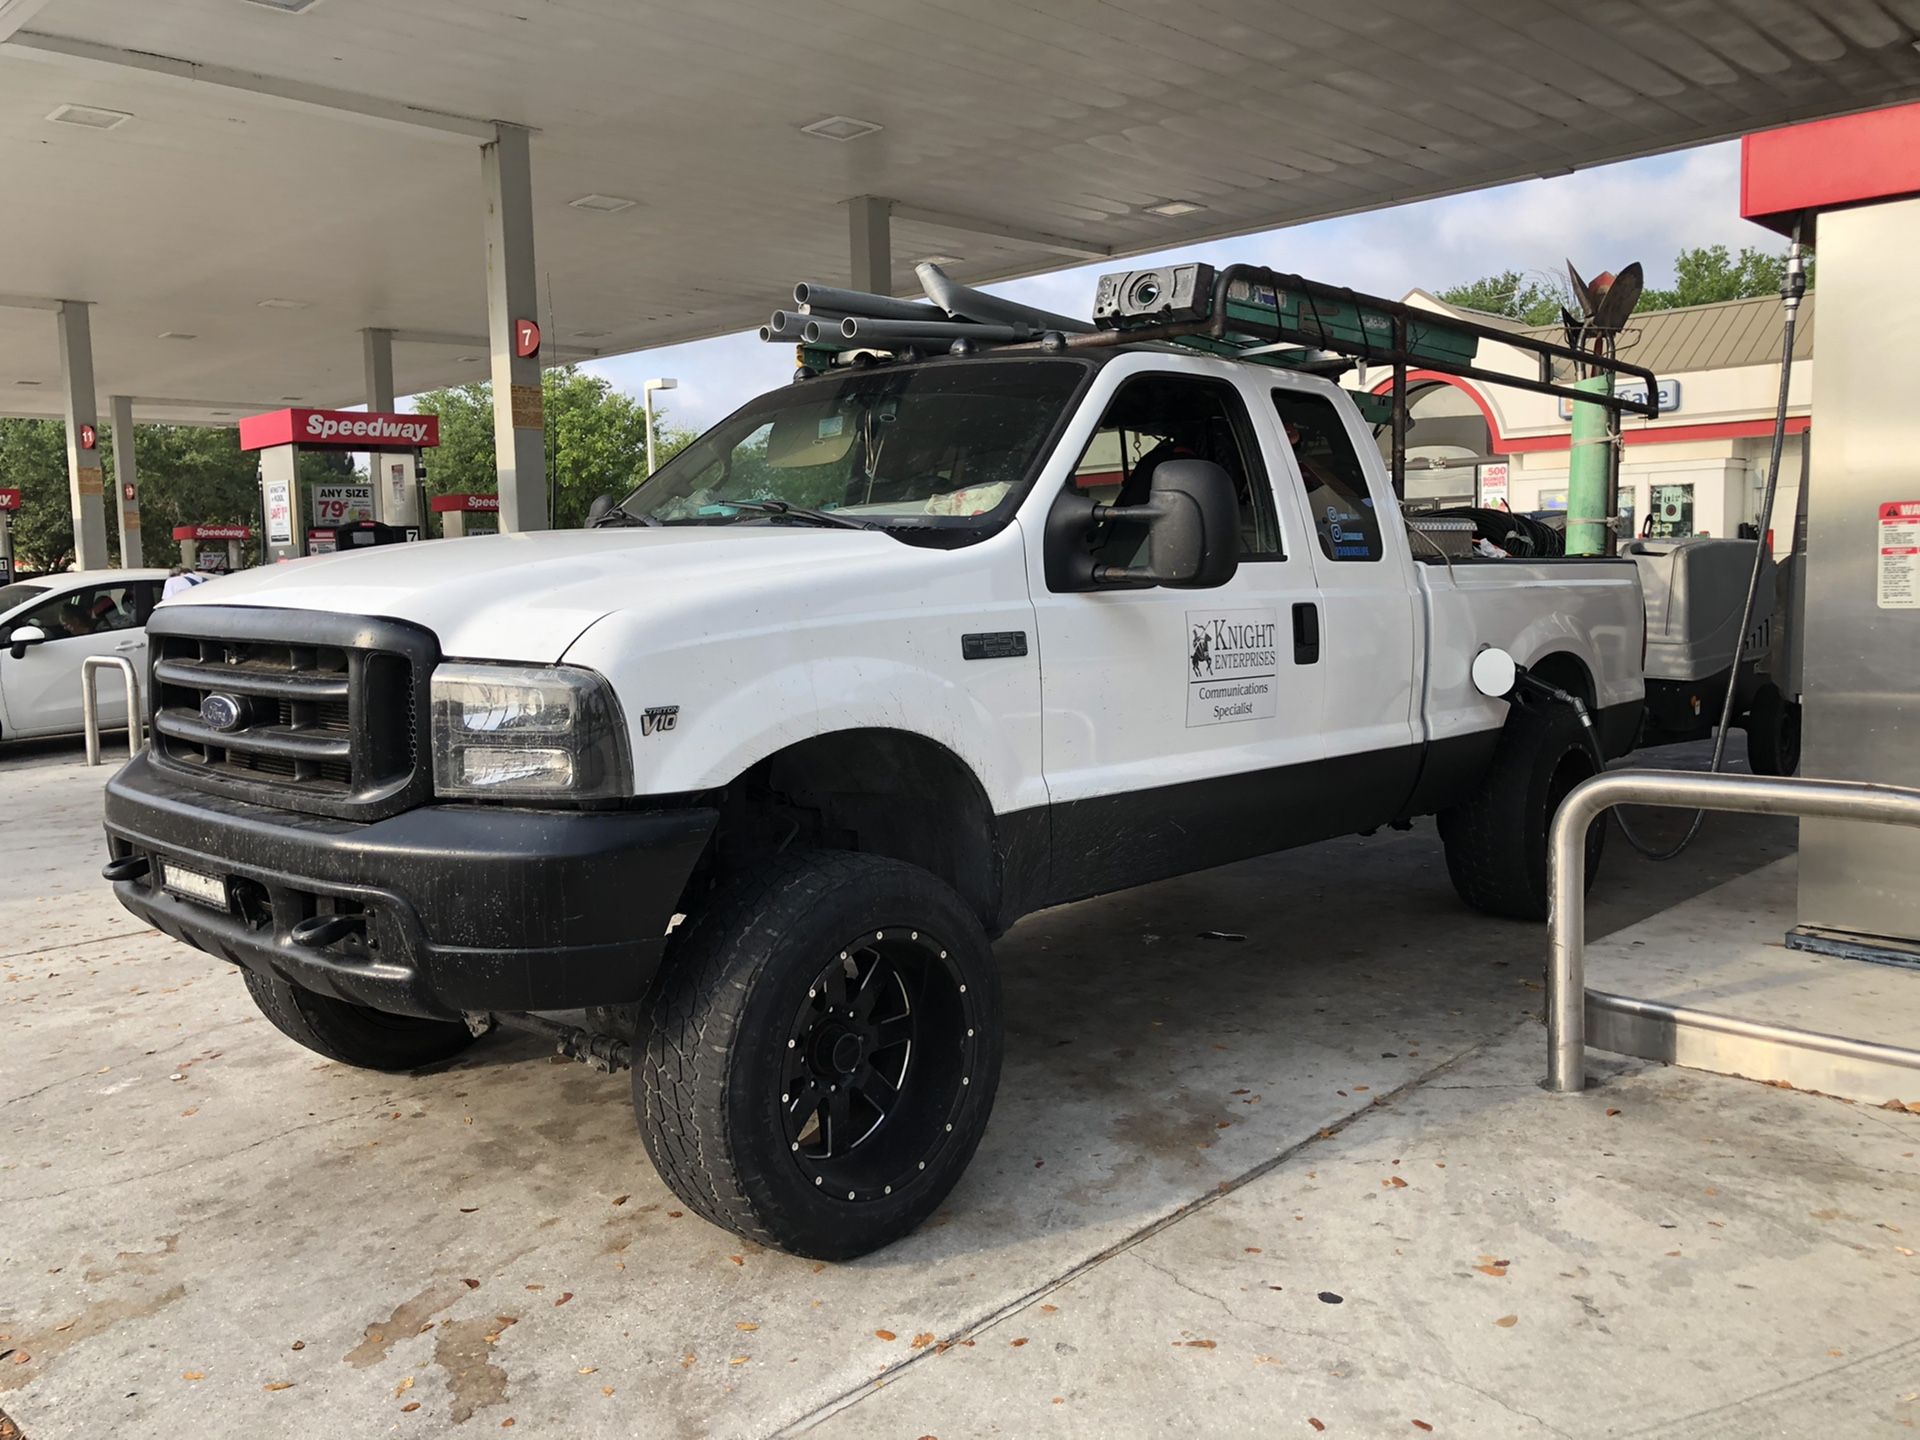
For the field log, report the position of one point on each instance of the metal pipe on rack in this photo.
(858, 302)
(866, 328)
(962, 300)
(788, 324)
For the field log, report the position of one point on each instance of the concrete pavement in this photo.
(210, 1231)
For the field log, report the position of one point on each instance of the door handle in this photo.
(128, 645)
(1306, 633)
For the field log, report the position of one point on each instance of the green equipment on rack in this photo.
(1244, 312)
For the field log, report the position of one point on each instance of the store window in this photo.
(1672, 513)
(1556, 500)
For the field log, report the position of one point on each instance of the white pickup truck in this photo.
(754, 770)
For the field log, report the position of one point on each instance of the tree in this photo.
(187, 475)
(1704, 275)
(33, 460)
(1533, 297)
(596, 441)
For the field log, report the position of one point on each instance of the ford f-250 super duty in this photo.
(754, 770)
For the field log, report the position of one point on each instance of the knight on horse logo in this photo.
(1202, 651)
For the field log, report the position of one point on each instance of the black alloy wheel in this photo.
(820, 1051)
(879, 1058)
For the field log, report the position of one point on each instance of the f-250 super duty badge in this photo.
(1233, 665)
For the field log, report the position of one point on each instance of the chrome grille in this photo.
(328, 719)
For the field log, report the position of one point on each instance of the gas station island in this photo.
(394, 444)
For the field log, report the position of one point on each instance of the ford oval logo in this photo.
(222, 712)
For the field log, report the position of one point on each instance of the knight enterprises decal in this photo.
(1233, 664)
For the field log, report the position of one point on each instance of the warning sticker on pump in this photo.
(1900, 555)
(1233, 666)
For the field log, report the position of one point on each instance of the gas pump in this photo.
(454, 511)
(192, 537)
(395, 443)
(9, 502)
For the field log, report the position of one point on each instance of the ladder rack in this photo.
(1244, 312)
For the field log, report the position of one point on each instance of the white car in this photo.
(48, 626)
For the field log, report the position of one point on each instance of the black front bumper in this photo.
(459, 907)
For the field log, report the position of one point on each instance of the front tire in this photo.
(354, 1034)
(821, 1052)
(1497, 841)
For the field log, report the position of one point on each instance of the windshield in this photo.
(19, 594)
(943, 447)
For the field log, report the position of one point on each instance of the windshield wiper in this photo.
(802, 513)
(619, 515)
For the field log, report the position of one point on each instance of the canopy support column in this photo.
(126, 484)
(519, 418)
(396, 499)
(870, 242)
(85, 482)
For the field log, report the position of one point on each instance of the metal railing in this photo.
(1569, 1000)
(90, 668)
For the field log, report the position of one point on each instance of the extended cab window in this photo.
(1338, 502)
(1155, 418)
(943, 445)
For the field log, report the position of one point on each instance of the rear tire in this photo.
(355, 1034)
(1497, 841)
(821, 1051)
(1773, 733)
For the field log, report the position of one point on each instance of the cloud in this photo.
(1646, 210)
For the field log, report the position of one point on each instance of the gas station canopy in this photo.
(241, 187)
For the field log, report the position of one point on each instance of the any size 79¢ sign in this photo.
(338, 504)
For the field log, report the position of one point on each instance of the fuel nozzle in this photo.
(1793, 284)
(1524, 679)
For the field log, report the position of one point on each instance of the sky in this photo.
(1645, 210)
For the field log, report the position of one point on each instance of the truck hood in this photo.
(527, 597)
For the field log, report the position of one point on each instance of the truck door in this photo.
(1369, 639)
(1181, 727)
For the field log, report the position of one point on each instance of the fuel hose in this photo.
(1792, 287)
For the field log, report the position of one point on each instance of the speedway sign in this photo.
(340, 430)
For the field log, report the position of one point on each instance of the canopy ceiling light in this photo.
(286, 7)
(89, 117)
(604, 204)
(841, 128)
(1171, 208)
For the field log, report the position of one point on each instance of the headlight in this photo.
(550, 732)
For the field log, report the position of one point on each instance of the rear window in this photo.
(1338, 503)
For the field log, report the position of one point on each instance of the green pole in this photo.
(1587, 518)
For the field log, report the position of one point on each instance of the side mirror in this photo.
(22, 637)
(1494, 673)
(601, 507)
(1193, 528)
